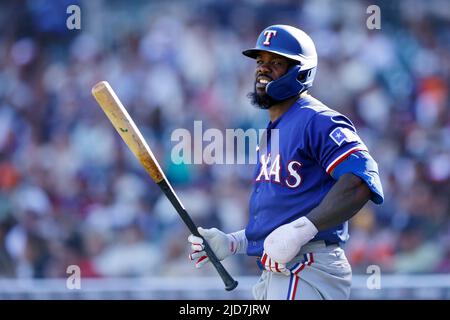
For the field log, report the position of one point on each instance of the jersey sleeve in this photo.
(332, 138)
(335, 144)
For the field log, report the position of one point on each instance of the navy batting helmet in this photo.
(293, 44)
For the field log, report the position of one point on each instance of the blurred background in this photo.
(71, 193)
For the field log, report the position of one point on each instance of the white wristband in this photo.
(238, 242)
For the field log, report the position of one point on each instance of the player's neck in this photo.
(277, 110)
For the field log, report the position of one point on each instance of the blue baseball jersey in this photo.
(289, 182)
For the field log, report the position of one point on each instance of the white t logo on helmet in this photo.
(269, 34)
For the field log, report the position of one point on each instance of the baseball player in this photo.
(320, 175)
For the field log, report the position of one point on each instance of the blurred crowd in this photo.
(72, 193)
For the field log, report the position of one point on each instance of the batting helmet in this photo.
(293, 44)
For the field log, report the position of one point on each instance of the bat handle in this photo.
(228, 280)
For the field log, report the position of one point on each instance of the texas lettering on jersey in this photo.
(270, 171)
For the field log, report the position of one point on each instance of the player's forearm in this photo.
(342, 202)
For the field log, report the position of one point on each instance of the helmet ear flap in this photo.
(292, 83)
(286, 86)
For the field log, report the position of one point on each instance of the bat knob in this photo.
(230, 286)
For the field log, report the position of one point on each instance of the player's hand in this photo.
(271, 265)
(222, 244)
(284, 243)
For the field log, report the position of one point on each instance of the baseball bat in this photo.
(127, 129)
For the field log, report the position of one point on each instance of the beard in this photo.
(261, 101)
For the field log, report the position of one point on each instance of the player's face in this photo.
(269, 67)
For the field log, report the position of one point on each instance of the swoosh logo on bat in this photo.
(123, 130)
